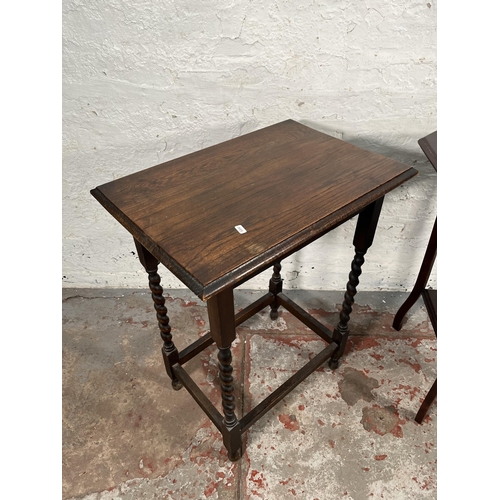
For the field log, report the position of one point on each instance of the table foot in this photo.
(231, 436)
(333, 363)
(177, 385)
(235, 457)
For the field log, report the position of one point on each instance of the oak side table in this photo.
(220, 216)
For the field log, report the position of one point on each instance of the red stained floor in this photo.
(348, 433)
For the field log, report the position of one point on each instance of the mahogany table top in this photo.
(429, 147)
(284, 185)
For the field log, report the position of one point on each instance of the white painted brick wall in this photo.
(148, 81)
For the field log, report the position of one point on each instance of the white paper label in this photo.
(240, 229)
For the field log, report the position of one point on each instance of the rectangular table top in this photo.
(285, 185)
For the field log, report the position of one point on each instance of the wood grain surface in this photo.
(286, 184)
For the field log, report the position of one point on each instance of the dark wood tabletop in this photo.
(429, 147)
(286, 185)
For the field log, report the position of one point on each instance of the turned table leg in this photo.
(363, 239)
(226, 379)
(275, 287)
(223, 331)
(169, 351)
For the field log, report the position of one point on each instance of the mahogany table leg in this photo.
(169, 351)
(429, 399)
(363, 239)
(275, 287)
(223, 330)
(341, 332)
(226, 377)
(422, 279)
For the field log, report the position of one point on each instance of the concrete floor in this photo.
(347, 434)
